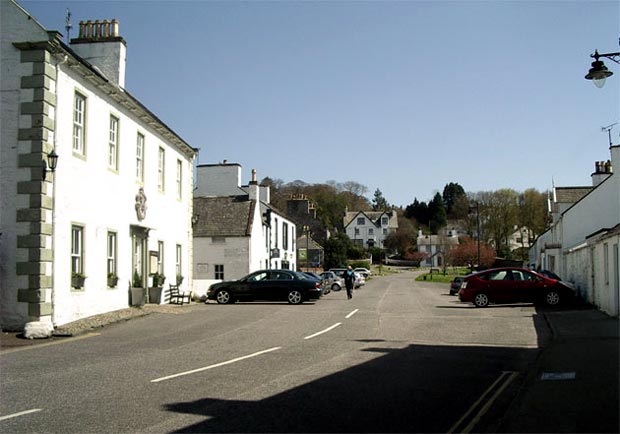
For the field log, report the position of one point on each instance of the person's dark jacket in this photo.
(349, 278)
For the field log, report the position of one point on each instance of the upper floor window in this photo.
(357, 231)
(284, 235)
(179, 179)
(79, 123)
(361, 221)
(371, 231)
(140, 158)
(161, 167)
(384, 221)
(113, 144)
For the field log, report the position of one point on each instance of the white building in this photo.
(581, 245)
(435, 247)
(369, 228)
(236, 230)
(119, 202)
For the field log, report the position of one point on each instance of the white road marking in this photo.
(217, 365)
(323, 331)
(352, 313)
(21, 413)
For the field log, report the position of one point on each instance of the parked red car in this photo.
(511, 285)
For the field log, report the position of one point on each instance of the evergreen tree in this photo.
(379, 203)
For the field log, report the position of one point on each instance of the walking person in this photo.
(349, 280)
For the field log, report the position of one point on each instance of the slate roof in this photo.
(230, 216)
(373, 216)
(571, 194)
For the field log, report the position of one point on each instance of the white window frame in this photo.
(113, 143)
(160, 257)
(112, 249)
(178, 263)
(179, 179)
(219, 271)
(79, 124)
(140, 142)
(161, 170)
(77, 249)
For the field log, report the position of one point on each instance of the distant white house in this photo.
(581, 245)
(434, 247)
(236, 229)
(369, 228)
(118, 206)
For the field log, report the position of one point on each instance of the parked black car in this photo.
(455, 285)
(286, 285)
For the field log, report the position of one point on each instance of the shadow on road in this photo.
(417, 389)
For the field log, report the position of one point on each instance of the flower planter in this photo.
(155, 295)
(138, 296)
(77, 282)
(112, 282)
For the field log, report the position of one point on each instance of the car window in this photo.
(498, 275)
(276, 275)
(528, 276)
(258, 277)
(517, 275)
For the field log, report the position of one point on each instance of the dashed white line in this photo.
(323, 331)
(228, 362)
(21, 413)
(352, 313)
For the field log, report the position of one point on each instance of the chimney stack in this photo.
(602, 169)
(99, 44)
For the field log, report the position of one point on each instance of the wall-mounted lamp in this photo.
(51, 163)
(195, 218)
(599, 72)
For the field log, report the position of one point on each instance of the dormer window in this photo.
(384, 221)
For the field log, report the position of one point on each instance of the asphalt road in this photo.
(400, 356)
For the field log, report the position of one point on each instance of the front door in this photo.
(139, 236)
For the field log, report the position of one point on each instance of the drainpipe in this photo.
(60, 59)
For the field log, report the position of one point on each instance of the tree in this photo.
(337, 250)
(437, 214)
(453, 193)
(499, 214)
(417, 211)
(379, 203)
(466, 254)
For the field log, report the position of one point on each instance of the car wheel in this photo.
(223, 296)
(481, 300)
(336, 287)
(295, 297)
(552, 297)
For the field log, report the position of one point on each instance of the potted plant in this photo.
(156, 290)
(179, 279)
(112, 280)
(77, 280)
(138, 293)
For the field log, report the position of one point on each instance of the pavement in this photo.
(572, 387)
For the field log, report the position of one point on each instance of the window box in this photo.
(77, 280)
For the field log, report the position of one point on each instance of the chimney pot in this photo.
(253, 175)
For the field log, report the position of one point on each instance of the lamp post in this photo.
(471, 208)
(599, 72)
(306, 229)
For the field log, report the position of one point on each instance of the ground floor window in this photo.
(219, 271)
(77, 250)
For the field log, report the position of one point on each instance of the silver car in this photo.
(332, 280)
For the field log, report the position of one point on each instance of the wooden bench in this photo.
(177, 296)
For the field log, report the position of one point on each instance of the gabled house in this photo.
(581, 245)
(434, 247)
(236, 229)
(310, 254)
(75, 240)
(369, 228)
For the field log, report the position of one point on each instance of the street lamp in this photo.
(306, 229)
(52, 163)
(471, 208)
(599, 72)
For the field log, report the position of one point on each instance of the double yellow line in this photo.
(483, 404)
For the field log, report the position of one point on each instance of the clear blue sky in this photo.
(404, 96)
